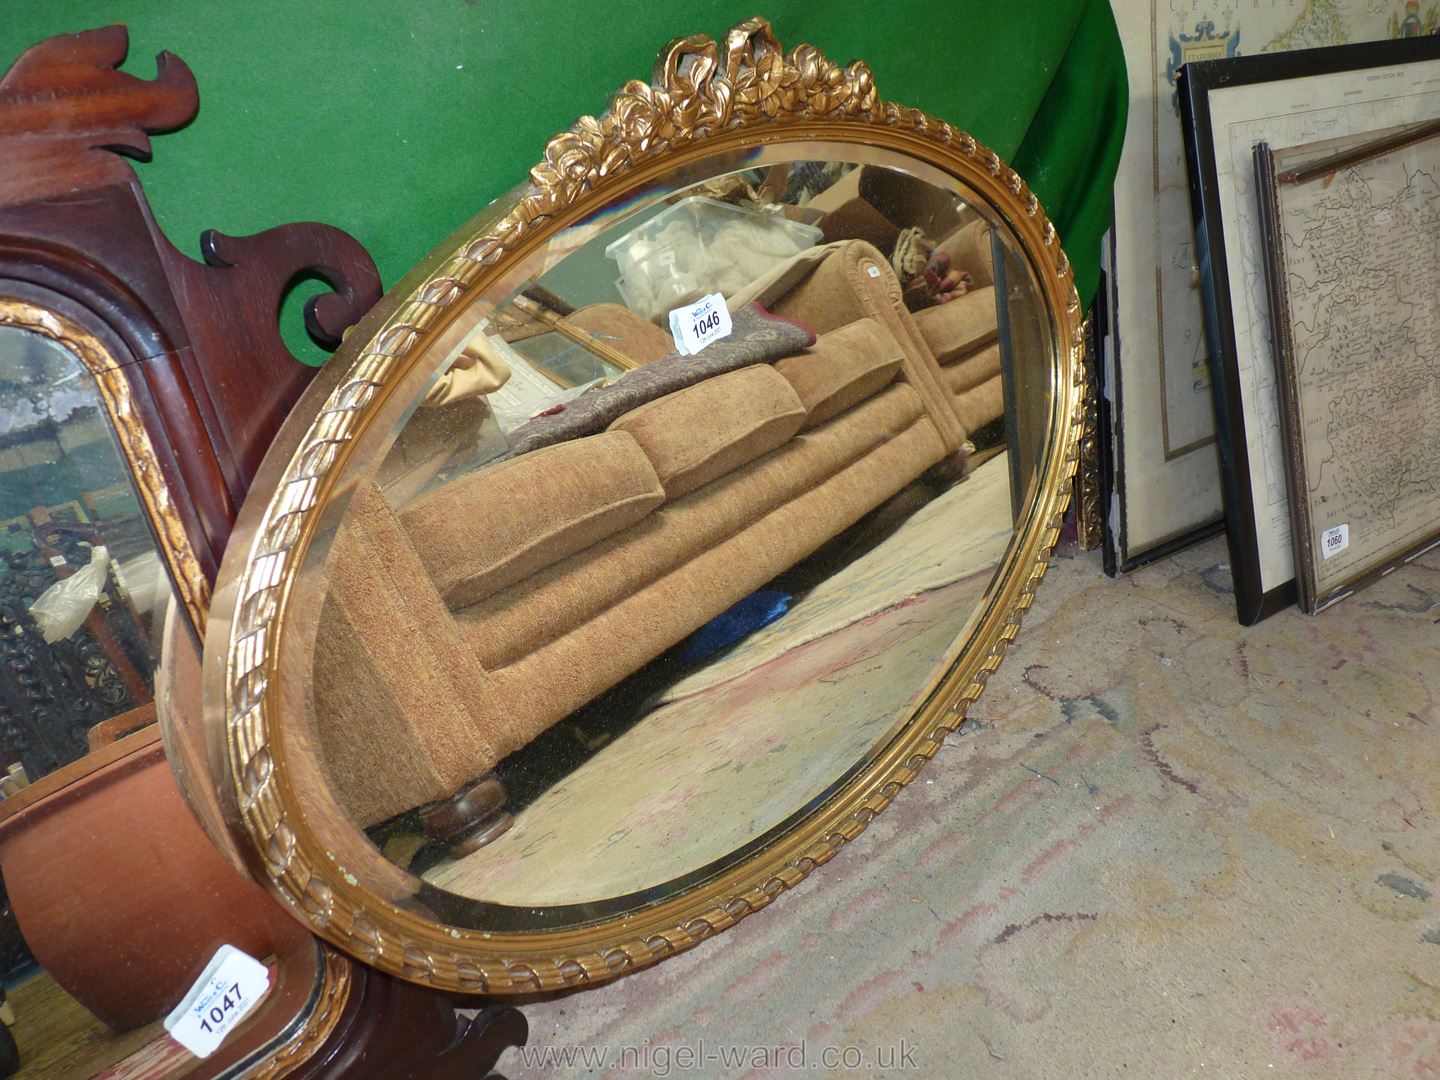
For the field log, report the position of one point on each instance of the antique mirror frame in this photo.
(193, 376)
(301, 1034)
(192, 590)
(706, 99)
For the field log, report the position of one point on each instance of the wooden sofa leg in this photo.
(470, 818)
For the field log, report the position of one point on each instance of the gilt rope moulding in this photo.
(139, 454)
(733, 113)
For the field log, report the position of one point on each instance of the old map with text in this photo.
(1361, 252)
(1159, 357)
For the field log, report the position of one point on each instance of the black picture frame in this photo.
(1197, 82)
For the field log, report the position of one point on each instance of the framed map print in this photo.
(1230, 106)
(1352, 254)
(1161, 486)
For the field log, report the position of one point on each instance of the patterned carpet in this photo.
(1164, 846)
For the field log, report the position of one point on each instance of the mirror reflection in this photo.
(83, 595)
(617, 603)
(88, 803)
(82, 586)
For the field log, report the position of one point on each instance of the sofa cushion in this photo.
(844, 368)
(511, 624)
(701, 433)
(756, 337)
(547, 684)
(968, 372)
(960, 326)
(493, 527)
(981, 404)
(854, 281)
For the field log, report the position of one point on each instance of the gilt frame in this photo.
(192, 588)
(705, 99)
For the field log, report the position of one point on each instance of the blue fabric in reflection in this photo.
(760, 608)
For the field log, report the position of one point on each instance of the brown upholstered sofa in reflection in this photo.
(461, 625)
(879, 204)
(963, 333)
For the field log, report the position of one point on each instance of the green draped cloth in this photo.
(399, 121)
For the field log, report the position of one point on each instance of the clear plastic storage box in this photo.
(700, 246)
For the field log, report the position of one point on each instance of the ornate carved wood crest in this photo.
(208, 372)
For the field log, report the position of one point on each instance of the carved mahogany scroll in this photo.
(199, 342)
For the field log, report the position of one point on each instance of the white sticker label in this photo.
(1333, 541)
(57, 560)
(695, 326)
(232, 984)
(873, 271)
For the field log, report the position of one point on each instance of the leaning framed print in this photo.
(1229, 106)
(1351, 255)
(1160, 473)
(1159, 476)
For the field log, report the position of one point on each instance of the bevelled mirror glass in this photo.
(83, 586)
(643, 544)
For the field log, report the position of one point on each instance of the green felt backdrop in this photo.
(399, 121)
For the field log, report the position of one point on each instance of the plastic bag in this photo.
(61, 608)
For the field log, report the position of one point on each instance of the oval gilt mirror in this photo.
(643, 544)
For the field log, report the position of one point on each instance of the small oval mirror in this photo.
(640, 547)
